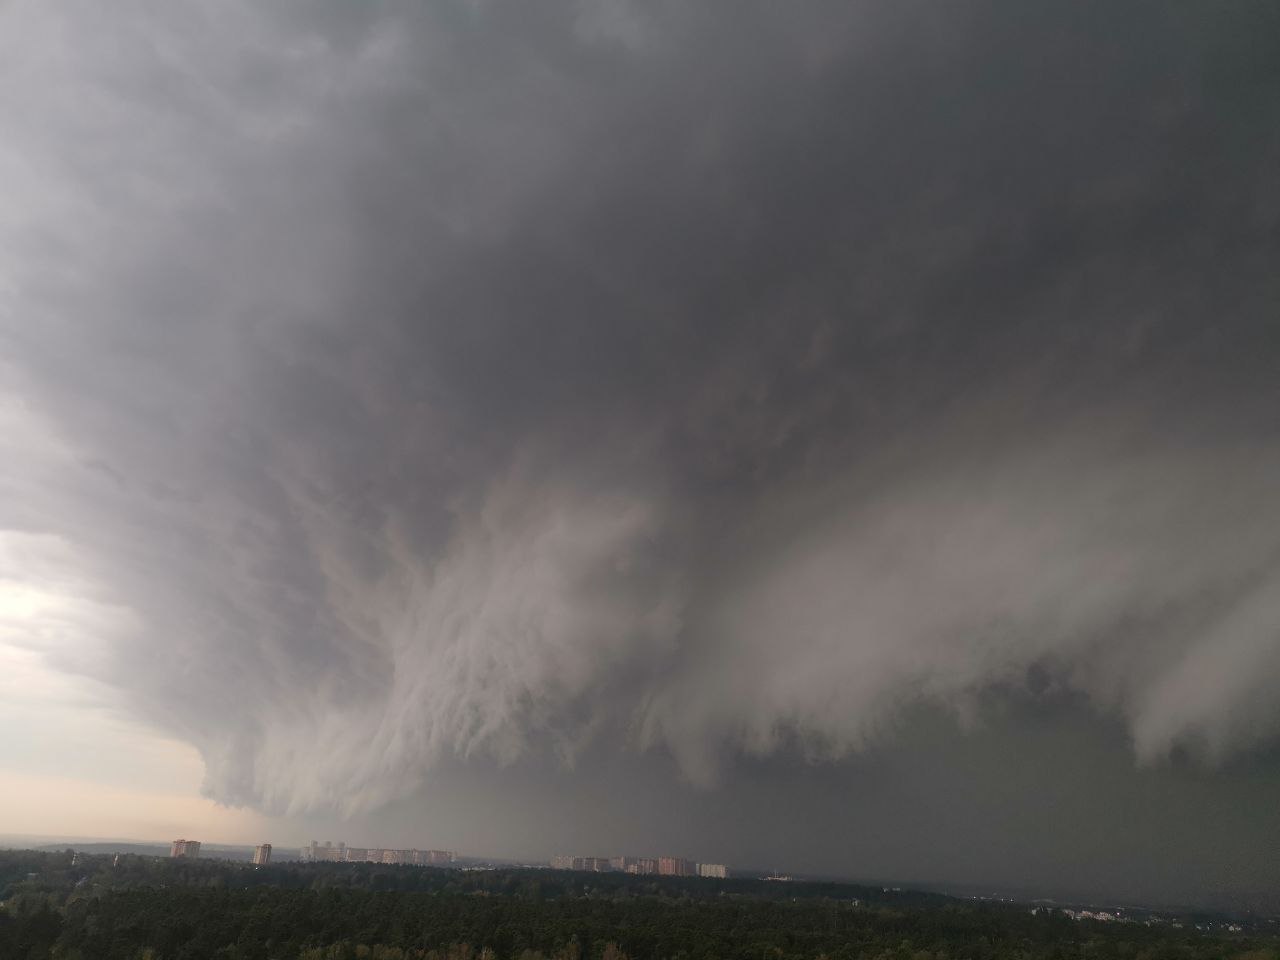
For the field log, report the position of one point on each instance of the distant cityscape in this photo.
(329, 852)
(661, 866)
(658, 866)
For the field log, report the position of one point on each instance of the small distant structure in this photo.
(587, 864)
(675, 867)
(262, 854)
(641, 866)
(326, 852)
(184, 849)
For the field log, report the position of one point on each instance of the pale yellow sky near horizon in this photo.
(42, 805)
(70, 765)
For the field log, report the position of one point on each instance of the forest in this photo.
(72, 906)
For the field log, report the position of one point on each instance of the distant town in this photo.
(329, 852)
(659, 866)
(1208, 921)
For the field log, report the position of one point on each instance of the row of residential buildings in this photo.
(328, 853)
(658, 866)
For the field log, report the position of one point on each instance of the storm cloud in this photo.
(390, 383)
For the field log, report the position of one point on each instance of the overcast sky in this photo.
(825, 436)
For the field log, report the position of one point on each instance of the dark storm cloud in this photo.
(482, 380)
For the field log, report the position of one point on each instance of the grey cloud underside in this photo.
(402, 382)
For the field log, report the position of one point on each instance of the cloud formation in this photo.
(482, 380)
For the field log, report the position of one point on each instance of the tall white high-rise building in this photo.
(262, 854)
(185, 848)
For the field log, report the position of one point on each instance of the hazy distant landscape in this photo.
(108, 907)
(1224, 909)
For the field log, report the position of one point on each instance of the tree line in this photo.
(146, 908)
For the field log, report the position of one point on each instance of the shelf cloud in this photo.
(394, 382)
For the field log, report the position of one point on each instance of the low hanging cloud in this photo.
(409, 381)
